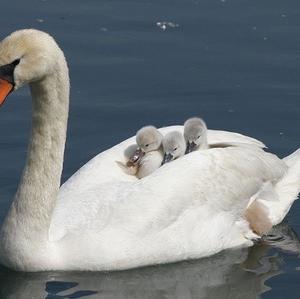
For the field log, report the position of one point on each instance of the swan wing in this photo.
(104, 168)
(198, 191)
(224, 137)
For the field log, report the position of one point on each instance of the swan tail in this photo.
(289, 187)
(128, 170)
(292, 158)
(286, 190)
(271, 204)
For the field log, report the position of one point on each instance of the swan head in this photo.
(195, 134)
(26, 56)
(174, 146)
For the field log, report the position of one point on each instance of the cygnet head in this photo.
(27, 56)
(195, 134)
(149, 139)
(174, 146)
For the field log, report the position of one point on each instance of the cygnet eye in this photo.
(198, 137)
(175, 149)
(147, 145)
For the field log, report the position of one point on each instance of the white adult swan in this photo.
(103, 219)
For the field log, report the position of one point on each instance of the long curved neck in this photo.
(34, 201)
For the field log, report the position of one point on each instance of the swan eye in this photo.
(175, 149)
(198, 137)
(7, 71)
(146, 145)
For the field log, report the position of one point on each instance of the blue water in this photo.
(236, 63)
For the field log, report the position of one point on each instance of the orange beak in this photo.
(5, 89)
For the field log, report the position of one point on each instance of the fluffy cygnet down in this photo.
(173, 145)
(195, 134)
(148, 156)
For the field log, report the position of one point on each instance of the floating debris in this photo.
(104, 29)
(165, 25)
(40, 20)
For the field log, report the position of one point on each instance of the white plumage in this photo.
(104, 219)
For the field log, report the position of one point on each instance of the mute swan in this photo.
(104, 219)
(195, 134)
(148, 156)
(173, 145)
(132, 165)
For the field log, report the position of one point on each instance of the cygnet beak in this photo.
(137, 156)
(167, 158)
(190, 146)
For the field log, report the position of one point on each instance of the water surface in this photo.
(234, 62)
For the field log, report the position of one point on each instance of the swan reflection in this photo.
(230, 274)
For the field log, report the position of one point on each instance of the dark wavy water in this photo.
(236, 63)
